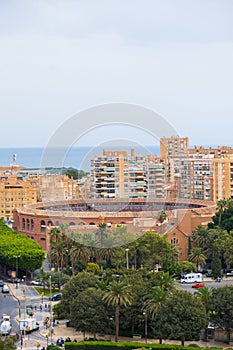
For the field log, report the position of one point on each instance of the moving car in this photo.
(55, 297)
(198, 285)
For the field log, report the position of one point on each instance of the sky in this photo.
(60, 57)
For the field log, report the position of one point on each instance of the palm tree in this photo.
(78, 252)
(101, 234)
(201, 237)
(221, 206)
(54, 242)
(197, 257)
(204, 294)
(118, 294)
(166, 282)
(154, 302)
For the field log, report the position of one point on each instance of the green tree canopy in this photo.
(30, 254)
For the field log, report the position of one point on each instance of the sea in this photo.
(75, 157)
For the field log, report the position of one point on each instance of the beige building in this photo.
(117, 174)
(15, 193)
(202, 173)
(56, 187)
(223, 178)
(173, 146)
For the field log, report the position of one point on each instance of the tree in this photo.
(75, 174)
(162, 216)
(118, 294)
(153, 306)
(201, 237)
(89, 312)
(221, 309)
(93, 267)
(165, 281)
(204, 294)
(101, 234)
(73, 287)
(221, 206)
(197, 257)
(15, 244)
(7, 344)
(154, 300)
(183, 317)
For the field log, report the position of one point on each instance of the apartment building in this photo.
(56, 187)
(200, 172)
(117, 174)
(223, 178)
(173, 146)
(15, 192)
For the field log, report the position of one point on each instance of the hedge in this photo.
(106, 345)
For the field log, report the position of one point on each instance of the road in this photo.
(15, 306)
(208, 283)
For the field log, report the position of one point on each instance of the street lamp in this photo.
(145, 316)
(16, 257)
(127, 257)
(51, 314)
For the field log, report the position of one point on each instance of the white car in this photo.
(36, 283)
(5, 289)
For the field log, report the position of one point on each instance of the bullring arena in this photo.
(139, 215)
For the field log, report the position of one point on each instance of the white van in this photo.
(191, 278)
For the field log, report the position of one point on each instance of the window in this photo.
(42, 226)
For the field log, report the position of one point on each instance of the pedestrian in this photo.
(35, 307)
(40, 307)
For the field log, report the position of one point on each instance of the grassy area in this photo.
(46, 291)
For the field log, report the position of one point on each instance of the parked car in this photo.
(229, 272)
(36, 283)
(13, 280)
(5, 289)
(1, 283)
(55, 297)
(198, 285)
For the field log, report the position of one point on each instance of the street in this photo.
(208, 283)
(14, 304)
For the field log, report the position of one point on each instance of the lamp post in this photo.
(127, 257)
(145, 316)
(51, 314)
(16, 257)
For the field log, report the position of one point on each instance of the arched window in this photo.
(28, 225)
(91, 223)
(72, 224)
(81, 223)
(24, 224)
(50, 223)
(42, 226)
(32, 224)
(57, 223)
(42, 239)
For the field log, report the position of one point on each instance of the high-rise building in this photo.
(117, 174)
(173, 146)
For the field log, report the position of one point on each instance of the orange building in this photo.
(15, 193)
